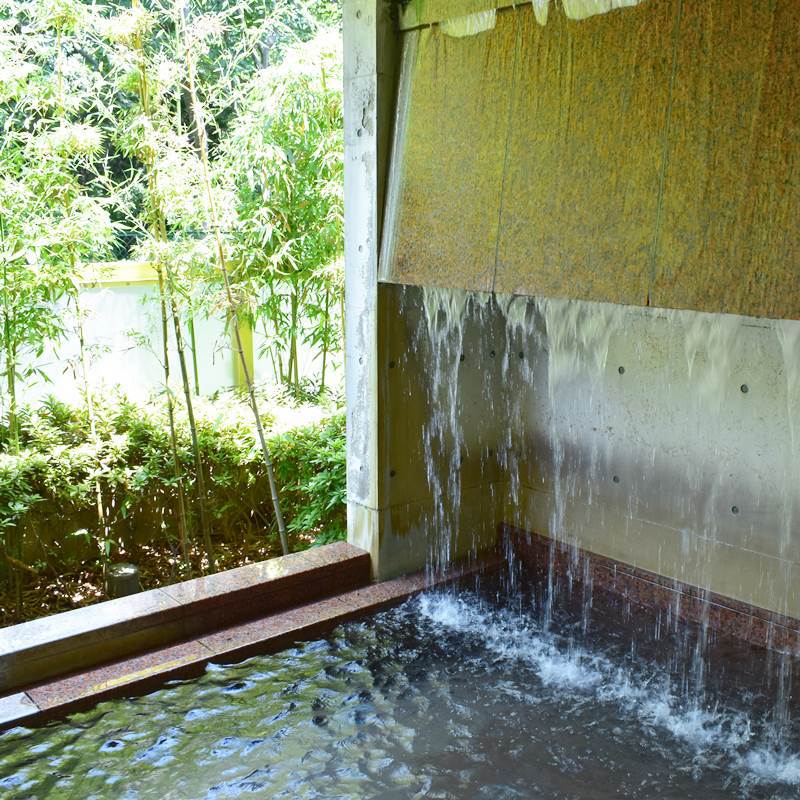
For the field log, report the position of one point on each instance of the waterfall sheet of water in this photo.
(445, 445)
(554, 354)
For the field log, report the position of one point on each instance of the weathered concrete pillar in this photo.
(369, 80)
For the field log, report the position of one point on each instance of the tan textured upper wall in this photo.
(648, 156)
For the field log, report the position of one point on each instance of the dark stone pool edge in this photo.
(145, 672)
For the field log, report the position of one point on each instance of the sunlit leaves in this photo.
(129, 25)
(60, 461)
(284, 158)
(70, 140)
(66, 16)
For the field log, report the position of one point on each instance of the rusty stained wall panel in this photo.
(651, 156)
(449, 198)
(584, 155)
(729, 231)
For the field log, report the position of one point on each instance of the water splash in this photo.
(445, 696)
(640, 693)
(548, 379)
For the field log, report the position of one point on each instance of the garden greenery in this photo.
(282, 158)
(47, 489)
(205, 138)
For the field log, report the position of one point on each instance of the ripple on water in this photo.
(448, 696)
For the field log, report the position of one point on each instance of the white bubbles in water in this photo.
(772, 765)
(639, 693)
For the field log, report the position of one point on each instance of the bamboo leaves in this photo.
(283, 157)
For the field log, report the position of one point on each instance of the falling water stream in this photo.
(575, 340)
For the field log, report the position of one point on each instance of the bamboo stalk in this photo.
(193, 348)
(232, 306)
(89, 400)
(173, 437)
(13, 538)
(159, 233)
(205, 522)
(325, 339)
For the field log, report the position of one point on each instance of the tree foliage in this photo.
(87, 161)
(282, 157)
(51, 216)
(109, 149)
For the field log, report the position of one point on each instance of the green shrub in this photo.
(311, 465)
(48, 491)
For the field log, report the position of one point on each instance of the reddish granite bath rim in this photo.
(81, 638)
(650, 591)
(142, 672)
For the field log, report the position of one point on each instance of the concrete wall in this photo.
(627, 164)
(115, 317)
(669, 440)
(441, 487)
(111, 316)
(666, 440)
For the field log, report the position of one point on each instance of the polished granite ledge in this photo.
(649, 590)
(146, 671)
(79, 639)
